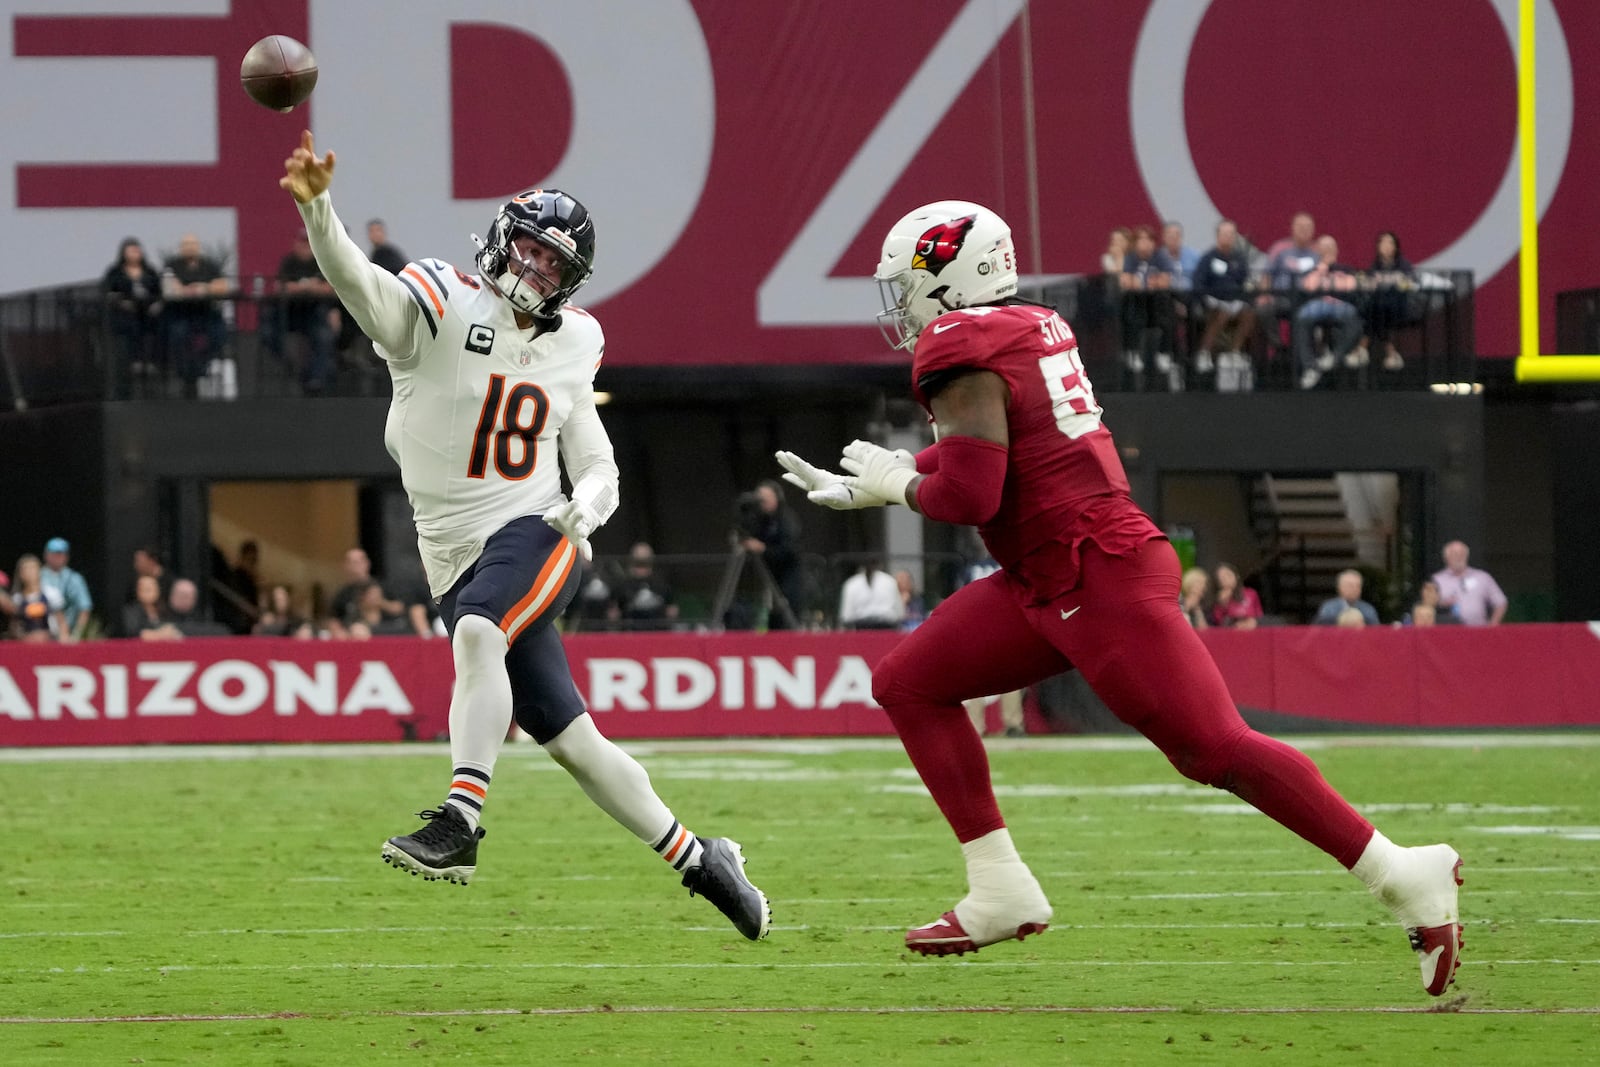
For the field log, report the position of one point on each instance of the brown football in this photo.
(278, 72)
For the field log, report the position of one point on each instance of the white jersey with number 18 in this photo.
(481, 406)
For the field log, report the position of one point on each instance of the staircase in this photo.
(1306, 539)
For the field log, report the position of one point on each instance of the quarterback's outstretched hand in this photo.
(574, 522)
(823, 486)
(878, 471)
(304, 175)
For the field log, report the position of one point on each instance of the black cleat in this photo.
(720, 879)
(444, 848)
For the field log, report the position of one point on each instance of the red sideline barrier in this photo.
(690, 685)
(266, 689)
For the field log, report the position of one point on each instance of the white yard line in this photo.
(771, 746)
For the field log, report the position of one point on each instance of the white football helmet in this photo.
(947, 255)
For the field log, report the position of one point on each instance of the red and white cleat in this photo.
(946, 936)
(1424, 896)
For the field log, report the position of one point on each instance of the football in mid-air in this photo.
(278, 72)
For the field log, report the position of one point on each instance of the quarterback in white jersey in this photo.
(490, 371)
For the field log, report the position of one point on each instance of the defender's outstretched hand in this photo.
(304, 175)
(823, 486)
(876, 470)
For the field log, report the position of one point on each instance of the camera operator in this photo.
(769, 531)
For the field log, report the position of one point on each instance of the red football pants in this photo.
(1122, 629)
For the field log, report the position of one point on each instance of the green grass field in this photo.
(229, 906)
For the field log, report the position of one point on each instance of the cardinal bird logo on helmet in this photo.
(939, 246)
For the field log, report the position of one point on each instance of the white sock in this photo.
(480, 703)
(1376, 861)
(621, 788)
(993, 865)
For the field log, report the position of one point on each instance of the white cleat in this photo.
(1423, 892)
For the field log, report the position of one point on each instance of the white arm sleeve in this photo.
(586, 451)
(377, 300)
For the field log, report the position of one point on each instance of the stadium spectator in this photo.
(310, 316)
(146, 617)
(383, 253)
(279, 618)
(1221, 280)
(133, 297)
(196, 334)
(344, 609)
(870, 599)
(1116, 253)
(499, 551)
(1350, 618)
(913, 609)
(642, 600)
(186, 614)
(1088, 581)
(1389, 304)
(1192, 596)
(74, 590)
(1148, 323)
(373, 619)
(37, 609)
(237, 588)
(1236, 606)
(1473, 594)
(1177, 259)
(1422, 615)
(1428, 597)
(1333, 309)
(146, 561)
(769, 530)
(1287, 260)
(1349, 585)
(592, 606)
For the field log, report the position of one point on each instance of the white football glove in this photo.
(878, 471)
(574, 521)
(824, 487)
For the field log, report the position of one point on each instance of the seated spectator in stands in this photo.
(133, 295)
(1148, 323)
(912, 607)
(185, 613)
(146, 616)
(1333, 309)
(1473, 594)
(1389, 304)
(280, 619)
(1287, 260)
(1177, 259)
(1422, 615)
(1349, 598)
(870, 599)
(591, 608)
(196, 334)
(345, 609)
(1428, 597)
(384, 254)
(1116, 253)
(1236, 606)
(74, 590)
(1192, 596)
(311, 316)
(236, 588)
(373, 617)
(1350, 617)
(146, 561)
(1221, 281)
(37, 609)
(642, 600)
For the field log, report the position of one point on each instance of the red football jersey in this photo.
(1064, 480)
